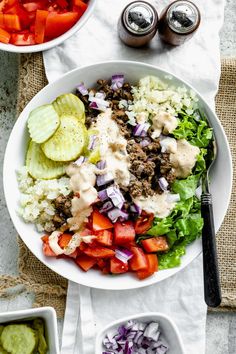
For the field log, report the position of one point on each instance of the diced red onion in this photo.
(145, 142)
(116, 196)
(163, 183)
(134, 208)
(102, 195)
(98, 103)
(92, 140)
(100, 95)
(130, 339)
(123, 255)
(82, 89)
(117, 81)
(101, 165)
(106, 207)
(116, 213)
(80, 160)
(141, 129)
(104, 179)
(173, 198)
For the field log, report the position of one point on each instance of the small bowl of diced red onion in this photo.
(27, 27)
(145, 333)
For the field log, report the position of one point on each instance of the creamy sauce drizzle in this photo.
(156, 204)
(164, 123)
(113, 148)
(184, 159)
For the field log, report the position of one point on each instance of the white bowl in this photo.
(54, 42)
(168, 329)
(221, 176)
(48, 314)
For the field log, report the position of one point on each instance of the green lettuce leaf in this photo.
(186, 187)
(172, 258)
(193, 128)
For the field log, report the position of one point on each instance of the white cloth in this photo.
(197, 62)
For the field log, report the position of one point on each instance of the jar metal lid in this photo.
(183, 17)
(139, 17)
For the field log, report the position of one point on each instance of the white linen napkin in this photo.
(197, 62)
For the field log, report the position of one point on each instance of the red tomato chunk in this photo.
(155, 244)
(123, 232)
(118, 267)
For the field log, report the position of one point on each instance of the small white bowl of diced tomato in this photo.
(28, 26)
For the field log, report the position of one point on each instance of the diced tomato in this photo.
(100, 222)
(155, 244)
(45, 238)
(143, 223)
(139, 259)
(22, 38)
(118, 267)
(151, 269)
(124, 232)
(62, 3)
(47, 251)
(64, 240)
(99, 252)
(40, 22)
(85, 262)
(10, 22)
(57, 24)
(34, 6)
(79, 6)
(19, 10)
(4, 5)
(104, 237)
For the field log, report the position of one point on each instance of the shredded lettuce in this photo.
(194, 128)
(186, 187)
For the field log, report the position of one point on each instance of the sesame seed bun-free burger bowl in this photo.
(28, 27)
(95, 180)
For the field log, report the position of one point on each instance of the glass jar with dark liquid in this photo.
(178, 22)
(137, 24)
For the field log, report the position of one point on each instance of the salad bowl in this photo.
(221, 173)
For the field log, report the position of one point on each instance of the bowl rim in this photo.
(138, 316)
(54, 42)
(32, 311)
(151, 280)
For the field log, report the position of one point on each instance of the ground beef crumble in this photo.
(62, 206)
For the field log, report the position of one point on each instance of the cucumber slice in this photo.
(19, 339)
(70, 104)
(93, 155)
(38, 325)
(39, 166)
(68, 142)
(42, 123)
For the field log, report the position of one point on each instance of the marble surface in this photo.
(221, 327)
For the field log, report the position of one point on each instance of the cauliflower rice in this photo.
(36, 199)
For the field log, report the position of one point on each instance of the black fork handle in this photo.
(212, 288)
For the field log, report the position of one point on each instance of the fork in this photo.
(212, 290)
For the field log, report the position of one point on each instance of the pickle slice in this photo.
(19, 339)
(38, 325)
(68, 142)
(39, 166)
(42, 123)
(70, 104)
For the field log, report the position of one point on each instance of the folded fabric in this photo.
(197, 62)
